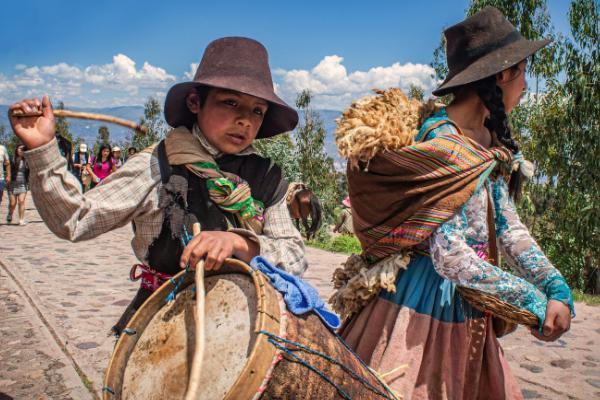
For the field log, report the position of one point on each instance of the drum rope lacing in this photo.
(277, 342)
(185, 239)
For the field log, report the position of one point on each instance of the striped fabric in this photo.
(399, 198)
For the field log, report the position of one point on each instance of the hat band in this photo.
(475, 53)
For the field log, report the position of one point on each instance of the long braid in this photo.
(491, 95)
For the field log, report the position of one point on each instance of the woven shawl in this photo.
(400, 197)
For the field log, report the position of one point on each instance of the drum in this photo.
(254, 348)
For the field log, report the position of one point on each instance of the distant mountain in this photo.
(88, 130)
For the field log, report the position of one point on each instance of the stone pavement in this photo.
(58, 301)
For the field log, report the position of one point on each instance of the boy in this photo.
(206, 170)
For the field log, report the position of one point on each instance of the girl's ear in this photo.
(508, 74)
(192, 101)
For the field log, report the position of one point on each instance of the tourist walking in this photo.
(101, 166)
(116, 157)
(4, 170)
(81, 159)
(17, 189)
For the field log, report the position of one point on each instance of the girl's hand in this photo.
(557, 322)
(33, 131)
(215, 247)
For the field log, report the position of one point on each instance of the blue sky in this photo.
(106, 53)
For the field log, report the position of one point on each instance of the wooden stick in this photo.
(194, 383)
(85, 115)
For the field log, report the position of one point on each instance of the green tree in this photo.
(416, 92)
(564, 122)
(530, 17)
(157, 128)
(62, 125)
(281, 150)
(8, 140)
(316, 169)
(102, 139)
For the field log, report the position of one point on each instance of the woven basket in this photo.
(487, 303)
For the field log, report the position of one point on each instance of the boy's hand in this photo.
(557, 322)
(215, 247)
(33, 131)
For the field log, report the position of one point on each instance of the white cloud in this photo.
(123, 82)
(62, 70)
(122, 71)
(189, 75)
(334, 88)
(119, 82)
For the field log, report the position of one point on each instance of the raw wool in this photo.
(386, 121)
(356, 283)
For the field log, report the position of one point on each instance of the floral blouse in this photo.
(458, 248)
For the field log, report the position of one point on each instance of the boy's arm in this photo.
(75, 216)
(280, 242)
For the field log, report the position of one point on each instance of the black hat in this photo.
(481, 46)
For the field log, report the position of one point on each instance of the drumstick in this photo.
(194, 384)
(85, 115)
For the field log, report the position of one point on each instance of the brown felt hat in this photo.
(483, 45)
(239, 64)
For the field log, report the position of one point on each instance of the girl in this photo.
(101, 166)
(452, 216)
(17, 189)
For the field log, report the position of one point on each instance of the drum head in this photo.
(159, 365)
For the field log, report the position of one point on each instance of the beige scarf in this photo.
(228, 191)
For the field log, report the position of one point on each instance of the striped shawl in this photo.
(399, 198)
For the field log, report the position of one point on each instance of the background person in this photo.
(116, 157)
(344, 224)
(101, 166)
(18, 187)
(4, 170)
(131, 151)
(81, 159)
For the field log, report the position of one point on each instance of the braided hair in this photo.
(491, 96)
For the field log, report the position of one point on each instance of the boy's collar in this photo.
(213, 151)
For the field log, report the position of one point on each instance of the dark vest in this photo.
(267, 185)
(266, 182)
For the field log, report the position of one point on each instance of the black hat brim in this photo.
(491, 64)
(279, 118)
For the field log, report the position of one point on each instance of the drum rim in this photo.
(262, 357)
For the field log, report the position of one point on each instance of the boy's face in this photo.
(229, 120)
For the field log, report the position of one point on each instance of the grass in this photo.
(340, 244)
(589, 299)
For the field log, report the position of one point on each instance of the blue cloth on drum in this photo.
(299, 296)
